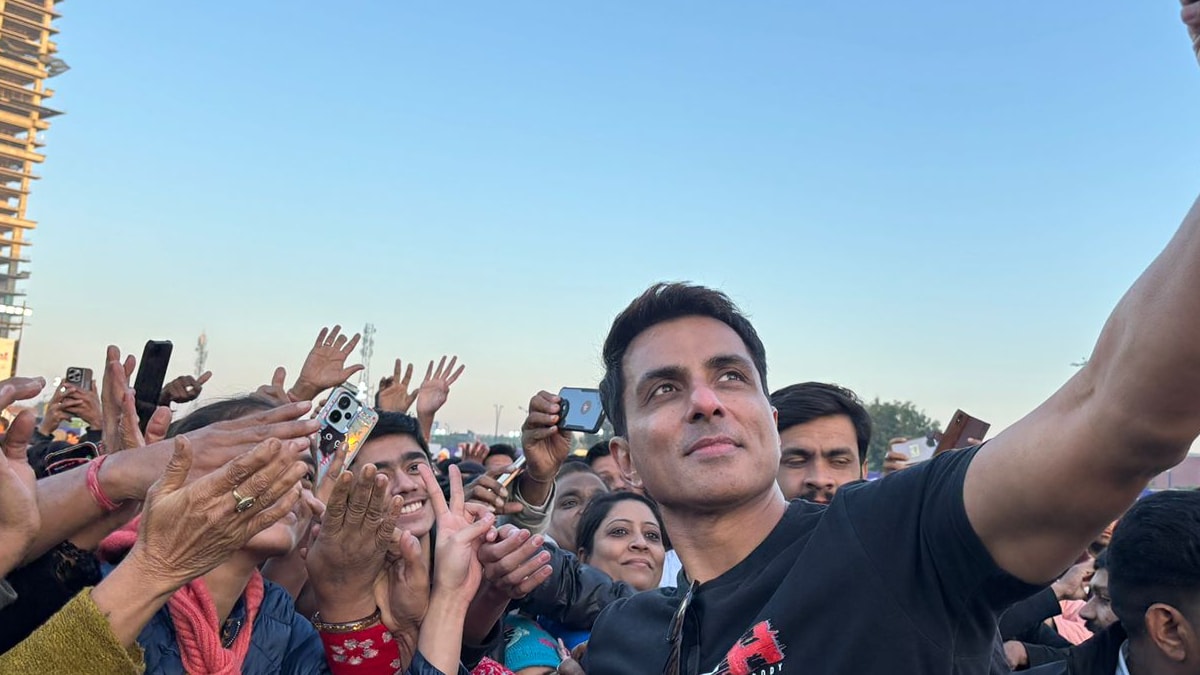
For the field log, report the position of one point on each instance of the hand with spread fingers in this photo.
(276, 392)
(188, 531)
(183, 389)
(394, 394)
(435, 390)
(351, 547)
(325, 366)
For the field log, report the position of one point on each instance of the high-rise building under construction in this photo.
(27, 59)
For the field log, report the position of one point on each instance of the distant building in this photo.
(27, 60)
(1184, 476)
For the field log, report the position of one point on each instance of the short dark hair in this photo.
(1101, 562)
(597, 451)
(220, 411)
(660, 303)
(805, 402)
(1155, 557)
(597, 510)
(502, 449)
(398, 424)
(569, 467)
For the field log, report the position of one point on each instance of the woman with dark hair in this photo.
(622, 535)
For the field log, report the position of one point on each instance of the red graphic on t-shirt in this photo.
(758, 649)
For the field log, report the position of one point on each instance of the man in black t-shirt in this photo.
(902, 575)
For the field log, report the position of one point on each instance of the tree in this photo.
(895, 419)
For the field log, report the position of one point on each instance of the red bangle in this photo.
(93, 483)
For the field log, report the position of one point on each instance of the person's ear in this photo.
(619, 447)
(1170, 631)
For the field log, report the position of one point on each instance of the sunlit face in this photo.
(397, 456)
(818, 457)
(572, 493)
(700, 430)
(1097, 613)
(628, 546)
(606, 467)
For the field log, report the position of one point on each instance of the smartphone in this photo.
(69, 458)
(962, 427)
(508, 477)
(80, 377)
(345, 421)
(916, 449)
(581, 410)
(152, 372)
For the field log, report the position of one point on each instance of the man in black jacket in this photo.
(1154, 581)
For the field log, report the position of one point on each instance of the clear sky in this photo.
(919, 200)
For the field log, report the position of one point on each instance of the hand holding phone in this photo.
(512, 473)
(345, 421)
(582, 410)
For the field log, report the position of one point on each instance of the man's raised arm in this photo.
(1040, 491)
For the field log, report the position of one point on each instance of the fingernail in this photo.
(499, 502)
(503, 492)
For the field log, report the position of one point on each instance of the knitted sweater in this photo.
(75, 640)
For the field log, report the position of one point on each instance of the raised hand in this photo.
(183, 389)
(351, 548)
(1074, 584)
(56, 412)
(461, 527)
(474, 452)
(488, 491)
(394, 395)
(402, 590)
(546, 446)
(84, 404)
(19, 517)
(131, 435)
(325, 366)
(113, 390)
(435, 390)
(275, 391)
(186, 531)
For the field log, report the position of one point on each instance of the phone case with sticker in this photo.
(345, 421)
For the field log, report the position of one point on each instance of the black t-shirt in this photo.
(889, 579)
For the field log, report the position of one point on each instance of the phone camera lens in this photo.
(335, 416)
(344, 402)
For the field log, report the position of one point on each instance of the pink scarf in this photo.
(1070, 625)
(195, 615)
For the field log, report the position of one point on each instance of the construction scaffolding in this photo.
(27, 60)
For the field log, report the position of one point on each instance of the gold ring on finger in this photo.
(243, 503)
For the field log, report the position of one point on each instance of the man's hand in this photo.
(461, 527)
(183, 389)
(1073, 585)
(894, 461)
(84, 404)
(486, 490)
(325, 366)
(356, 534)
(514, 563)
(393, 394)
(435, 390)
(546, 446)
(56, 413)
(113, 389)
(402, 591)
(1191, 17)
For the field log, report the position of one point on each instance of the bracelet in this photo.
(93, 484)
(349, 627)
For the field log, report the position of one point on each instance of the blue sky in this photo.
(925, 200)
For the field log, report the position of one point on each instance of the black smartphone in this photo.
(344, 421)
(582, 410)
(80, 377)
(69, 458)
(152, 372)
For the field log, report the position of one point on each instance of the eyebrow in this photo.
(832, 452)
(614, 521)
(679, 373)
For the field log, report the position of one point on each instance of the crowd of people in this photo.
(726, 528)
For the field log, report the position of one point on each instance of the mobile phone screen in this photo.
(583, 410)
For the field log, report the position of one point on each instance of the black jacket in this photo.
(1098, 656)
(575, 593)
